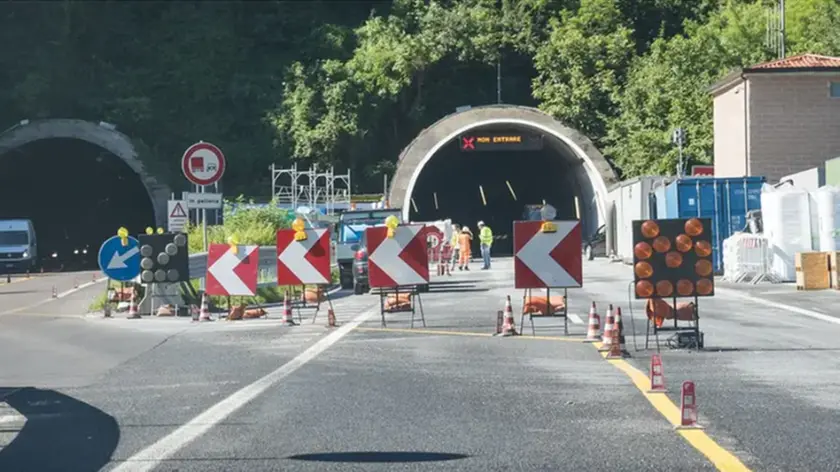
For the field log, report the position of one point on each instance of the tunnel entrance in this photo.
(76, 193)
(540, 157)
(495, 174)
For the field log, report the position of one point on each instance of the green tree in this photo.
(581, 65)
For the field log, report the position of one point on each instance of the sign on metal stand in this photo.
(179, 216)
(119, 257)
(203, 164)
(547, 254)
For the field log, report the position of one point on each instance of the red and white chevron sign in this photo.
(397, 261)
(304, 262)
(547, 260)
(232, 273)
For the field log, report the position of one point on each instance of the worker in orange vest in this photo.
(464, 242)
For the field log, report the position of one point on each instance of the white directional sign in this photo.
(208, 201)
(547, 259)
(232, 272)
(306, 261)
(179, 216)
(120, 262)
(399, 260)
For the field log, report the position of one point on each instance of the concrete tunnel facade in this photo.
(109, 139)
(592, 173)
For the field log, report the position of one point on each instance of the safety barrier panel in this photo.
(747, 258)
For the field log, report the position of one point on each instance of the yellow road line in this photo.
(722, 459)
(463, 333)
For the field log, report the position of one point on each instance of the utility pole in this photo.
(678, 138)
(781, 29)
(499, 79)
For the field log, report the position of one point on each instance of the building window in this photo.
(834, 89)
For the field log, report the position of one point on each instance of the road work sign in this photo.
(120, 262)
(398, 260)
(179, 216)
(306, 261)
(547, 259)
(232, 270)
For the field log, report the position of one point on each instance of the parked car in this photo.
(596, 245)
(360, 268)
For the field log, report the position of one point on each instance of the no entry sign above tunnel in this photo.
(203, 163)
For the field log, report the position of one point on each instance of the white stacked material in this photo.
(827, 200)
(787, 225)
(747, 258)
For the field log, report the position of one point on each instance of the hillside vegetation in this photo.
(351, 83)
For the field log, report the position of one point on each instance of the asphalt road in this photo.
(169, 394)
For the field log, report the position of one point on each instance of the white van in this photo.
(18, 246)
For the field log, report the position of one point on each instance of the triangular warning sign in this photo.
(178, 211)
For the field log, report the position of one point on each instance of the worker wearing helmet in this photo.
(464, 241)
(485, 237)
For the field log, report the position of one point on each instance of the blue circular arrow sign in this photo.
(120, 262)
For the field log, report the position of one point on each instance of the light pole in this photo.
(678, 138)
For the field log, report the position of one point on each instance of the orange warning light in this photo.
(644, 289)
(703, 248)
(664, 288)
(683, 243)
(704, 286)
(661, 244)
(643, 270)
(703, 267)
(650, 229)
(694, 227)
(673, 259)
(685, 287)
(643, 251)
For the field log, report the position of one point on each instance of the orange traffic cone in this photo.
(619, 326)
(204, 312)
(331, 323)
(592, 334)
(609, 326)
(509, 325)
(133, 313)
(54, 292)
(75, 282)
(288, 319)
(615, 347)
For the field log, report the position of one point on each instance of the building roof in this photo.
(793, 64)
(813, 62)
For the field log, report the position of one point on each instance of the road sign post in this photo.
(120, 262)
(203, 164)
(547, 255)
(398, 262)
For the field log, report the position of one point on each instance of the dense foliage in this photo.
(351, 83)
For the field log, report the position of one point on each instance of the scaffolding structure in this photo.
(314, 187)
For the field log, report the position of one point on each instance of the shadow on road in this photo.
(61, 433)
(381, 457)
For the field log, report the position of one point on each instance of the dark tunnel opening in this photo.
(456, 178)
(77, 194)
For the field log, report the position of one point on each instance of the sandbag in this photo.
(314, 295)
(237, 312)
(659, 310)
(166, 310)
(401, 302)
(537, 305)
(254, 313)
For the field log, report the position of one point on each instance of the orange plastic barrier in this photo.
(537, 305)
(398, 302)
(659, 310)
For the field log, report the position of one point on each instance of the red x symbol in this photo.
(468, 143)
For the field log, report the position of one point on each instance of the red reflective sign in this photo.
(702, 171)
(468, 143)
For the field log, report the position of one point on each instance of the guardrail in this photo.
(267, 272)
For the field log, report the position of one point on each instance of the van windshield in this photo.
(14, 238)
(353, 225)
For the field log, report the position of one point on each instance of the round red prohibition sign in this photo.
(203, 163)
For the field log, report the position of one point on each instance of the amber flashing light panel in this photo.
(673, 258)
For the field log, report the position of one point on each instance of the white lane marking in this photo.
(773, 304)
(152, 456)
(575, 318)
(57, 297)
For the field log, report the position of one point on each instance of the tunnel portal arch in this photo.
(111, 140)
(594, 174)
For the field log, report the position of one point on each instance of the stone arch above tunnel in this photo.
(109, 139)
(418, 153)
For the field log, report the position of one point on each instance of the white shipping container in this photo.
(632, 202)
(810, 179)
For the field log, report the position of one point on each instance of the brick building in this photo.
(777, 118)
